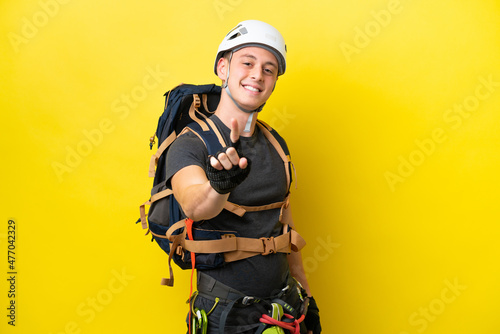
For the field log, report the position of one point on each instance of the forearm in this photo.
(195, 194)
(297, 270)
(312, 319)
(295, 258)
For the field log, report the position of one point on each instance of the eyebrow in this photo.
(248, 55)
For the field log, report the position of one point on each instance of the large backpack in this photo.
(188, 108)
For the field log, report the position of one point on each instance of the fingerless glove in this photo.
(312, 317)
(224, 181)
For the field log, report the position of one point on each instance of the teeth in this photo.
(251, 88)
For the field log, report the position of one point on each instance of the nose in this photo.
(256, 73)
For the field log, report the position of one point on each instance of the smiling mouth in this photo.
(252, 89)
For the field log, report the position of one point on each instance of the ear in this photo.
(222, 65)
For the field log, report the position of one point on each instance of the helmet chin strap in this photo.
(251, 112)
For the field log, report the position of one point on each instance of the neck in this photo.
(227, 110)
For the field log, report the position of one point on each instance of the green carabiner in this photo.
(199, 318)
(204, 322)
(195, 321)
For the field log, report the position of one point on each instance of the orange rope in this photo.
(189, 229)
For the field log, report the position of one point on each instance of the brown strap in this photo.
(251, 247)
(168, 234)
(161, 194)
(154, 198)
(211, 246)
(234, 248)
(154, 159)
(294, 175)
(204, 99)
(213, 126)
(175, 243)
(290, 239)
(175, 227)
(286, 159)
(283, 208)
(142, 210)
(296, 241)
(237, 248)
(240, 210)
(193, 111)
(276, 205)
(217, 132)
(235, 208)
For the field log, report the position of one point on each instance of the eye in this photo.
(268, 71)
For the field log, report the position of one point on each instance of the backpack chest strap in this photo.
(240, 210)
(239, 248)
(233, 248)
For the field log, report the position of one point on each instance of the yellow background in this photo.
(390, 109)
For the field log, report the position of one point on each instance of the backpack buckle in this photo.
(269, 246)
(247, 300)
(196, 101)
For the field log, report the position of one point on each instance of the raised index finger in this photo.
(235, 132)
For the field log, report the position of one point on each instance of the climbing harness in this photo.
(281, 315)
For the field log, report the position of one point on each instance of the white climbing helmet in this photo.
(254, 33)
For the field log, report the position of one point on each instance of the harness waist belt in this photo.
(211, 288)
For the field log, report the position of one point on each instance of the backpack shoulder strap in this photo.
(276, 135)
(279, 144)
(208, 133)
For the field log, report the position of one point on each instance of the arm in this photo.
(297, 270)
(295, 258)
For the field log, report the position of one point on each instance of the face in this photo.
(252, 76)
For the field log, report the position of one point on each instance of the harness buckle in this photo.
(269, 246)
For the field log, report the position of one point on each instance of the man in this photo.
(249, 172)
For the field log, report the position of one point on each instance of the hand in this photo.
(312, 320)
(230, 157)
(228, 168)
